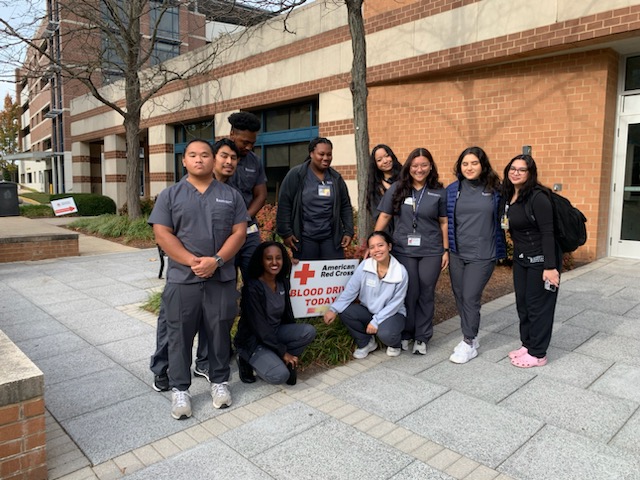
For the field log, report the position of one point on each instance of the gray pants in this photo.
(423, 273)
(212, 303)
(160, 358)
(356, 318)
(468, 279)
(268, 365)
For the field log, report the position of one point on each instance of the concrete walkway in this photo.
(409, 417)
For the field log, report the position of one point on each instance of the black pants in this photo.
(536, 307)
(310, 249)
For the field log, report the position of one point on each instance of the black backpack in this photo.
(568, 222)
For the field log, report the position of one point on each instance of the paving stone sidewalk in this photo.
(408, 417)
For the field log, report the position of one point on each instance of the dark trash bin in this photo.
(9, 199)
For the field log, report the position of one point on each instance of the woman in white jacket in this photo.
(380, 283)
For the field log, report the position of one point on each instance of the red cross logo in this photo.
(304, 274)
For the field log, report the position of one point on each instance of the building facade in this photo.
(44, 90)
(560, 76)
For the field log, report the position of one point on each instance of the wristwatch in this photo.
(219, 260)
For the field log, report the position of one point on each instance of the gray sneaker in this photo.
(180, 404)
(221, 395)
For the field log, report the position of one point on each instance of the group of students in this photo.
(206, 225)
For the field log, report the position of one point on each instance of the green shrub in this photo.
(89, 204)
(115, 226)
(36, 211)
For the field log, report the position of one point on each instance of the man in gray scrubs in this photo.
(249, 179)
(201, 224)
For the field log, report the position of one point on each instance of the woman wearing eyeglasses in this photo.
(536, 259)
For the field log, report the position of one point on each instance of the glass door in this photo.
(625, 228)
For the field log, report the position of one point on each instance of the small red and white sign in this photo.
(64, 206)
(316, 285)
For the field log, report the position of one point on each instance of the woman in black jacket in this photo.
(268, 339)
(536, 259)
(321, 226)
(384, 169)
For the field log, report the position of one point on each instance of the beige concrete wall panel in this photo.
(446, 30)
(221, 124)
(160, 134)
(335, 105)
(568, 9)
(344, 150)
(503, 17)
(161, 162)
(96, 123)
(391, 44)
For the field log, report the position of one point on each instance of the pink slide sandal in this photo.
(528, 361)
(518, 353)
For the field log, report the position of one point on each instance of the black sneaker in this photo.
(245, 370)
(161, 383)
(201, 372)
(293, 375)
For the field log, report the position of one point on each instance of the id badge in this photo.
(408, 201)
(504, 222)
(413, 240)
(324, 190)
(371, 282)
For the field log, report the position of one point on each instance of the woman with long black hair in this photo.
(476, 241)
(537, 260)
(384, 169)
(417, 203)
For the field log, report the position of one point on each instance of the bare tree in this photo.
(115, 42)
(359, 94)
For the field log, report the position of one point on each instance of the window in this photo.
(183, 135)
(165, 31)
(163, 51)
(632, 74)
(284, 140)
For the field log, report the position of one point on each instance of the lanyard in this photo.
(415, 205)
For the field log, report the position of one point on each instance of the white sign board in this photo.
(64, 206)
(316, 285)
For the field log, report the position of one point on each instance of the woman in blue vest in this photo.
(476, 241)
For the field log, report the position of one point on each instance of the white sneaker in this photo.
(419, 348)
(180, 404)
(405, 345)
(393, 351)
(464, 352)
(221, 395)
(361, 353)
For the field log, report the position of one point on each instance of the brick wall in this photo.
(22, 440)
(38, 247)
(563, 107)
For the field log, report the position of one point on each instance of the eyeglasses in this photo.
(518, 170)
